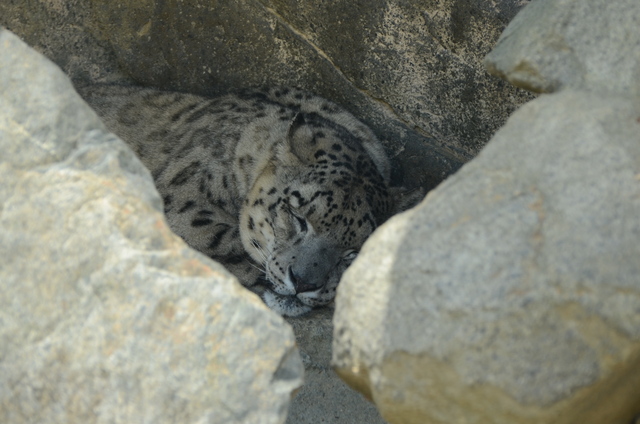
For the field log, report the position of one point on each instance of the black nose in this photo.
(298, 283)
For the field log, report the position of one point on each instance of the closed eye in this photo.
(302, 224)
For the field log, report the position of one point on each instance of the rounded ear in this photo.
(300, 140)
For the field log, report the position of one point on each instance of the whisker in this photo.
(264, 256)
(258, 267)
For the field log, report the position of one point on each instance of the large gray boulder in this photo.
(105, 315)
(512, 293)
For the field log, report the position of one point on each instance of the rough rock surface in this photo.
(105, 315)
(552, 44)
(511, 294)
(410, 69)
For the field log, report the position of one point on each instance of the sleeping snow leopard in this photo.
(281, 187)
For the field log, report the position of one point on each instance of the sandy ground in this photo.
(324, 398)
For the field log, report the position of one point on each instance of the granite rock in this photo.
(105, 315)
(580, 44)
(511, 294)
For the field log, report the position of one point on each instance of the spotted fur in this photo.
(281, 187)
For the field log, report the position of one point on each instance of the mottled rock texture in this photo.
(512, 293)
(105, 315)
(590, 44)
(409, 69)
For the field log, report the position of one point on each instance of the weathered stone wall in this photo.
(409, 69)
(511, 294)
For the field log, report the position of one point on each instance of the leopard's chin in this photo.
(289, 306)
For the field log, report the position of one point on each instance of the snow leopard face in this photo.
(308, 215)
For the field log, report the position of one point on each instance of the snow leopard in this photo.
(280, 186)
